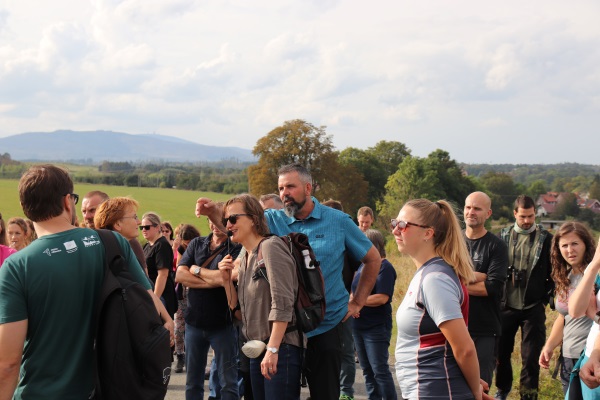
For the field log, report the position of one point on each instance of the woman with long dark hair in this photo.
(572, 250)
(435, 355)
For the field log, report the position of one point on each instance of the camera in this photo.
(518, 277)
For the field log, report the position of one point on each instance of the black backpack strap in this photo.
(112, 249)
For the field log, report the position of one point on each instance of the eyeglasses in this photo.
(147, 227)
(134, 216)
(233, 218)
(75, 197)
(403, 225)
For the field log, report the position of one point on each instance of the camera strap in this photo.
(515, 239)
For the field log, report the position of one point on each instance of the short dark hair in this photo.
(524, 202)
(334, 204)
(365, 211)
(188, 232)
(271, 196)
(41, 191)
(93, 193)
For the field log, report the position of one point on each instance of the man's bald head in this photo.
(478, 208)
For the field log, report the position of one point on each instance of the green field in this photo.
(176, 206)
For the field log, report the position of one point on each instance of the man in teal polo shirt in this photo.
(331, 233)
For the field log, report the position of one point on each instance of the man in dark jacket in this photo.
(527, 291)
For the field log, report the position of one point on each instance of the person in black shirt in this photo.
(490, 260)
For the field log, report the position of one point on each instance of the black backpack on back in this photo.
(133, 354)
(310, 301)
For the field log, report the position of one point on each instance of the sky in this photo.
(489, 82)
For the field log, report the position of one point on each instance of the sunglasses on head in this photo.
(233, 218)
(403, 225)
(147, 227)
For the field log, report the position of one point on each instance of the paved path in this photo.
(177, 386)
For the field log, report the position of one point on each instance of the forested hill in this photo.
(528, 173)
(93, 147)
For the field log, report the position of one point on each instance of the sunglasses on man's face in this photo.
(147, 227)
(233, 218)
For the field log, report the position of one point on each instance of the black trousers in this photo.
(533, 336)
(323, 364)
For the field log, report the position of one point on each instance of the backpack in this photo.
(132, 347)
(310, 300)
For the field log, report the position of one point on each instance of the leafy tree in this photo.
(415, 178)
(371, 169)
(390, 154)
(296, 141)
(344, 183)
(375, 164)
(502, 190)
(536, 188)
(566, 207)
(594, 191)
(454, 185)
(435, 177)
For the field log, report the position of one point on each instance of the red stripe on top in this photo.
(432, 340)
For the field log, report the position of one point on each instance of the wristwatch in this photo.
(273, 350)
(196, 271)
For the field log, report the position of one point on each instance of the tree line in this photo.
(383, 176)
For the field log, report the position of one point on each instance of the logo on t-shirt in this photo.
(90, 241)
(70, 246)
(49, 252)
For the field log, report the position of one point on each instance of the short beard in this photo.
(292, 209)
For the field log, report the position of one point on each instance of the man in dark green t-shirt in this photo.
(49, 292)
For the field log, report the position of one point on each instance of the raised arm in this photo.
(581, 301)
(208, 208)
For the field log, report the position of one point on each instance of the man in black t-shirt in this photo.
(490, 260)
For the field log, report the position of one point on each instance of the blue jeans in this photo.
(214, 386)
(348, 371)
(224, 343)
(285, 384)
(372, 348)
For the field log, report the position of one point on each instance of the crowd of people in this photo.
(233, 290)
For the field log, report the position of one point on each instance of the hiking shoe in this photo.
(346, 397)
(501, 395)
(180, 363)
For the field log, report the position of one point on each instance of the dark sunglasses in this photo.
(233, 218)
(147, 227)
(403, 225)
(75, 197)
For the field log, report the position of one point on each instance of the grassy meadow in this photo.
(178, 206)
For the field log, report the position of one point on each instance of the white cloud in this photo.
(430, 74)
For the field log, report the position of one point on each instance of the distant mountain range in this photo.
(93, 147)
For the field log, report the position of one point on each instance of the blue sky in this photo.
(491, 82)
